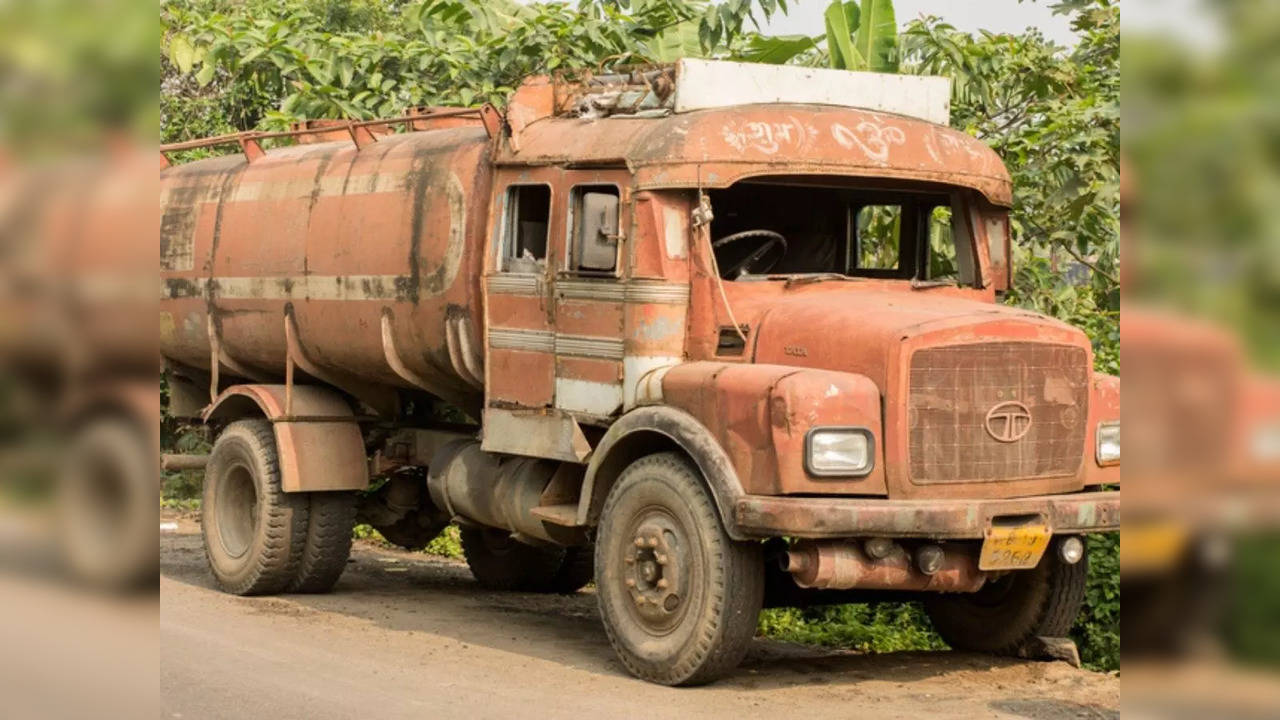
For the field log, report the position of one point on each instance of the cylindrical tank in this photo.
(373, 255)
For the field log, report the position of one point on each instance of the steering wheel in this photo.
(769, 240)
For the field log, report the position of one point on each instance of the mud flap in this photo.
(1051, 648)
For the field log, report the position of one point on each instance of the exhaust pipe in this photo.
(846, 566)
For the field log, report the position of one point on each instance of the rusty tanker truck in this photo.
(714, 335)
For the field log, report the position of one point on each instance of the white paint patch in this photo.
(168, 527)
(634, 369)
(832, 391)
(673, 233)
(769, 137)
(649, 389)
(587, 396)
(873, 139)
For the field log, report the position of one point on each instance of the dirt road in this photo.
(409, 636)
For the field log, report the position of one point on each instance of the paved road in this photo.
(409, 636)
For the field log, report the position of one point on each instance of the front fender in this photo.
(653, 429)
(760, 414)
(1104, 406)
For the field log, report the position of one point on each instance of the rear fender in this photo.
(319, 442)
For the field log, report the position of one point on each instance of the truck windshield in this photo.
(764, 230)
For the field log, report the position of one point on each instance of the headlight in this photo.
(1108, 443)
(839, 451)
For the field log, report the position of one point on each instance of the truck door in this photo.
(521, 366)
(590, 294)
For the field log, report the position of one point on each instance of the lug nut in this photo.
(661, 558)
(640, 600)
(631, 582)
(1071, 550)
(639, 542)
(878, 548)
(662, 583)
(929, 559)
(653, 542)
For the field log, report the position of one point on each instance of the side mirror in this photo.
(597, 240)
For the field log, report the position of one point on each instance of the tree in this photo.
(857, 37)
(1053, 115)
(264, 63)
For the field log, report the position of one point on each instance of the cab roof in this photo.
(717, 147)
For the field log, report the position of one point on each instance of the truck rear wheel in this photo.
(254, 532)
(330, 520)
(679, 598)
(499, 562)
(1013, 609)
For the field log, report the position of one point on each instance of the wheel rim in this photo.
(237, 511)
(659, 570)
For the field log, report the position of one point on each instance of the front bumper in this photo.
(825, 517)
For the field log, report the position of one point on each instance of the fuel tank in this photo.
(366, 261)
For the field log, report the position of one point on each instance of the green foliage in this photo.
(857, 38)
(447, 544)
(1251, 629)
(881, 627)
(1053, 115)
(1097, 630)
(876, 44)
(841, 20)
(264, 63)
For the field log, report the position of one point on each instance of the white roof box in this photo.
(705, 84)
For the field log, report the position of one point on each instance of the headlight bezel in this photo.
(1107, 427)
(862, 472)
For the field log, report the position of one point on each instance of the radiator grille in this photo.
(1039, 392)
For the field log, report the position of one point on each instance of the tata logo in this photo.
(1008, 422)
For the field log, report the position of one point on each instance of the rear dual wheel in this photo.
(259, 539)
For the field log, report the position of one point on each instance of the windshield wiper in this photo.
(814, 277)
(926, 284)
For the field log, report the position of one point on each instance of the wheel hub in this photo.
(655, 574)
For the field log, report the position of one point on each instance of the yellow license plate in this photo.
(1013, 547)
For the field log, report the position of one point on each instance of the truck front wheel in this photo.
(1013, 609)
(254, 532)
(678, 597)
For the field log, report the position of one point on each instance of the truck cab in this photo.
(803, 301)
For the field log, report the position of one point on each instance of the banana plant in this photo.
(858, 37)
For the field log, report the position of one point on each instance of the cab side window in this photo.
(594, 228)
(525, 223)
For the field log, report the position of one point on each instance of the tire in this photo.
(254, 532)
(500, 563)
(660, 538)
(107, 506)
(413, 531)
(577, 569)
(330, 519)
(1014, 609)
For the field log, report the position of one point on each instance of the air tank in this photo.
(366, 261)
